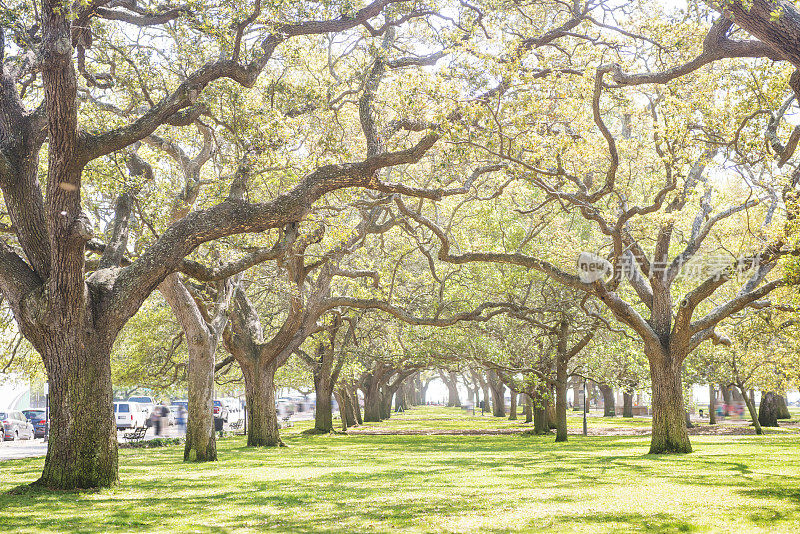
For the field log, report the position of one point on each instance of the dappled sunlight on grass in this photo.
(352, 483)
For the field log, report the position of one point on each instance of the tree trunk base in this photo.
(669, 414)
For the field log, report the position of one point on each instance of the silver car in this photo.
(15, 425)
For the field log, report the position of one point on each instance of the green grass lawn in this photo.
(507, 483)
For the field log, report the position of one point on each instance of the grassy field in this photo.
(508, 483)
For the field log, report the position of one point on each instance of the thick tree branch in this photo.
(187, 93)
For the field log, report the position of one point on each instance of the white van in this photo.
(130, 415)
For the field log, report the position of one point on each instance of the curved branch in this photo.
(236, 216)
(187, 93)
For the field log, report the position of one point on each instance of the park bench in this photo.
(136, 436)
(236, 425)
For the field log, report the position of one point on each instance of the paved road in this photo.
(10, 450)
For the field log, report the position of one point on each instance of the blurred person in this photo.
(155, 420)
(180, 419)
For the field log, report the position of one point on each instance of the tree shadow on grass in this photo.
(661, 523)
(385, 484)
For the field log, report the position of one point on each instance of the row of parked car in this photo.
(133, 413)
(136, 411)
(23, 424)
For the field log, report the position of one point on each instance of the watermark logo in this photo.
(592, 267)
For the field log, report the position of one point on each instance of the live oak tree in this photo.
(763, 356)
(70, 316)
(616, 360)
(538, 124)
(326, 362)
(450, 380)
(671, 317)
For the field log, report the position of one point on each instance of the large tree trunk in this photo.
(512, 410)
(82, 445)
(627, 403)
(769, 410)
(498, 393)
(372, 404)
(712, 404)
(726, 393)
(609, 408)
(201, 341)
(344, 410)
(356, 405)
(386, 405)
(561, 399)
(451, 382)
(540, 423)
(669, 424)
(201, 445)
(551, 412)
(783, 407)
(528, 409)
(259, 382)
(751, 407)
(323, 415)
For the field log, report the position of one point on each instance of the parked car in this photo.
(220, 410)
(38, 418)
(147, 402)
(15, 425)
(130, 415)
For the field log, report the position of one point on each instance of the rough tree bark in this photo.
(512, 410)
(541, 424)
(769, 410)
(561, 398)
(627, 403)
(498, 393)
(202, 337)
(669, 422)
(323, 415)
(450, 380)
(372, 400)
(712, 404)
(609, 408)
(528, 409)
(262, 419)
(783, 408)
